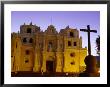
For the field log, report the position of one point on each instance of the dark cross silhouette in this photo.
(88, 31)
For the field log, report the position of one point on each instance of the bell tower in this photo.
(27, 35)
(71, 50)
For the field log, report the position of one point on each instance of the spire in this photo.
(31, 23)
(24, 23)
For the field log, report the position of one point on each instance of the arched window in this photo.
(31, 40)
(27, 52)
(28, 30)
(24, 40)
(69, 43)
(73, 63)
(71, 34)
(26, 61)
(75, 44)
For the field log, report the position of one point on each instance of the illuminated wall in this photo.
(36, 49)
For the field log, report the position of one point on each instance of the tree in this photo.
(98, 45)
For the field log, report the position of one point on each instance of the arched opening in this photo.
(27, 52)
(28, 30)
(24, 40)
(50, 65)
(31, 40)
(71, 34)
(75, 44)
(69, 43)
(26, 61)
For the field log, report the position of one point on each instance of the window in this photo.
(26, 61)
(24, 40)
(71, 34)
(31, 40)
(28, 30)
(75, 44)
(27, 52)
(73, 63)
(72, 54)
(69, 43)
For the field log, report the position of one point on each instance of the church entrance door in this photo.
(50, 66)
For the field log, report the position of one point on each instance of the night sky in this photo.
(60, 19)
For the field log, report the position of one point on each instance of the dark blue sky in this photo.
(60, 19)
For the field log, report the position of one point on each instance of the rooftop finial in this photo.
(31, 23)
(67, 27)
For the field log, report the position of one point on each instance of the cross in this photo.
(88, 31)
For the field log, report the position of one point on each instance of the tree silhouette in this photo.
(98, 45)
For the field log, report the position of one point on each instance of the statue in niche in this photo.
(50, 46)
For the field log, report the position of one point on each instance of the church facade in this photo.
(47, 51)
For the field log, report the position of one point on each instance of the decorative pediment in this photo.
(51, 30)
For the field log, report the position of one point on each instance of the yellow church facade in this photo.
(47, 51)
